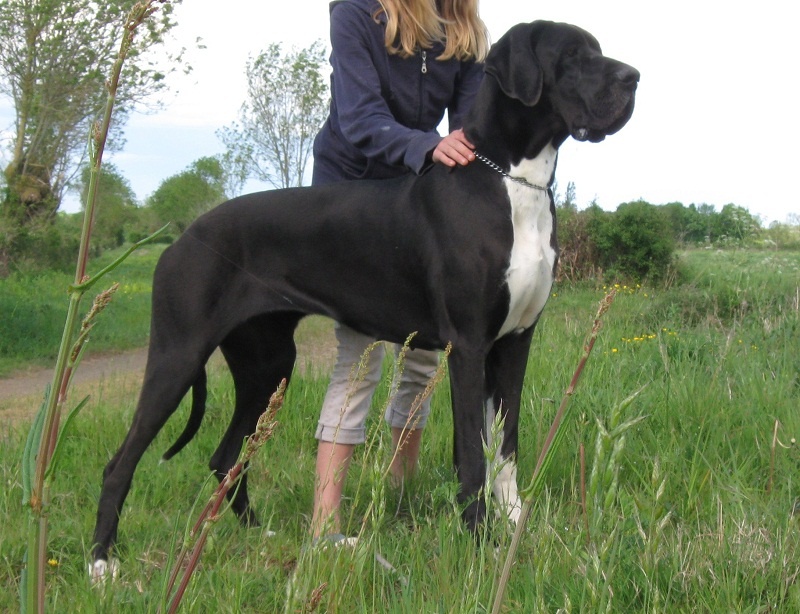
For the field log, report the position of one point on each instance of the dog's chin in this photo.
(597, 133)
(585, 134)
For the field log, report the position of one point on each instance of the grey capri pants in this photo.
(344, 411)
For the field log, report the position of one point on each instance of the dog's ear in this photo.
(512, 62)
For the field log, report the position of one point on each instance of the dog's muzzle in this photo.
(612, 107)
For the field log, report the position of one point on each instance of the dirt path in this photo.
(121, 374)
(21, 391)
(32, 381)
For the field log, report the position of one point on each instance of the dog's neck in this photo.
(494, 116)
(538, 170)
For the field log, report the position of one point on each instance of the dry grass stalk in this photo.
(554, 436)
(211, 512)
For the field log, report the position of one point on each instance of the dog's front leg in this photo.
(466, 382)
(505, 375)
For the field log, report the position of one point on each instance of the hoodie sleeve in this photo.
(364, 116)
(470, 78)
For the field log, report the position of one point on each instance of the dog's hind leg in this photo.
(259, 353)
(167, 379)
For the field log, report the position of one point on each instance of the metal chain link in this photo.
(519, 180)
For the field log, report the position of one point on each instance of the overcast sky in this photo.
(715, 119)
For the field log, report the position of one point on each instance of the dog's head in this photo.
(592, 94)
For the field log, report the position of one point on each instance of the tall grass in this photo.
(693, 524)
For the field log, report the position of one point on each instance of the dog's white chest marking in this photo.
(530, 271)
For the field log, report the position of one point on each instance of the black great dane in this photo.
(463, 256)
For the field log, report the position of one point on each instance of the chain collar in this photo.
(519, 180)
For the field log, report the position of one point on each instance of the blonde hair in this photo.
(417, 24)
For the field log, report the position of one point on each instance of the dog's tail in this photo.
(199, 394)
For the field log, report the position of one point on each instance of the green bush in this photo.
(52, 244)
(633, 243)
(578, 258)
(37, 246)
(781, 236)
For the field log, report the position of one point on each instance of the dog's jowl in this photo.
(464, 257)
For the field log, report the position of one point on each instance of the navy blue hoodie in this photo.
(385, 109)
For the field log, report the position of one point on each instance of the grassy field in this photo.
(690, 509)
(33, 310)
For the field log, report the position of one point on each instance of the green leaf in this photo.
(57, 451)
(82, 288)
(31, 446)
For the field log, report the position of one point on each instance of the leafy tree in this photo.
(737, 223)
(697, 227)
(707, 221)
(181, 198)
(687, 223)
(54, 56)
(235, 170)
(782, 235)
(116, 205)
(570, 197)
(287, 104)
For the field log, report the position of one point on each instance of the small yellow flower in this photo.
(614, 350)
(52, 562)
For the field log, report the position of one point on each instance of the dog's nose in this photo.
(627, 75)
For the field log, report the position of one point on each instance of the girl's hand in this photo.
(454, 149)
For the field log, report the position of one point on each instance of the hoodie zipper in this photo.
(423, 71)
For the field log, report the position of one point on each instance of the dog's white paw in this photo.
(101, 570)
(506, 492)
(509, 511)
(514, 510)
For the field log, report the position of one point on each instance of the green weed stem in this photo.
(46, 430)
